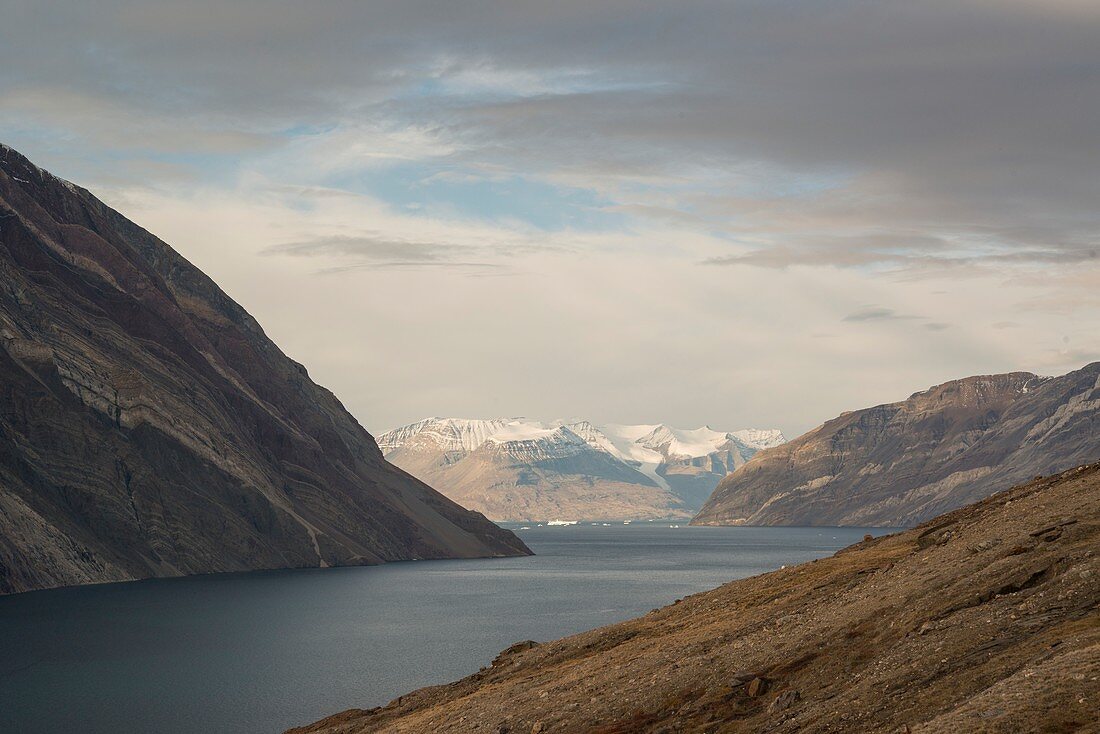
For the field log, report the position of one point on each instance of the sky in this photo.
(737, 213)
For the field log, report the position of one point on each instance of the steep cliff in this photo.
(899, 464)
(148, 427)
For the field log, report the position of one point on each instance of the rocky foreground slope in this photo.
(982, 620)
(899, 464)
(522, 469)
(148, 427)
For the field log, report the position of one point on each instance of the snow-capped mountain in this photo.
(450, 434)
(760, 438)
(523, 469)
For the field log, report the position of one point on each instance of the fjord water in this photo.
(260, 652)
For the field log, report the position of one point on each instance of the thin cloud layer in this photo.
(876, 313)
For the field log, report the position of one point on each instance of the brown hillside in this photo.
(984, 619)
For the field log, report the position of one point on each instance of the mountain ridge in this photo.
(900, 463)
(148, 426)
(662, 471)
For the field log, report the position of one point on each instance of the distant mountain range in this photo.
(521, 469)
(148, 426)
(902, 463)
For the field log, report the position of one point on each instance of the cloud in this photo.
(377, 253)
(555, 323)
(587, 195)
(118, 123)
(961, 121)
(368, 247)
(471, 268)
(876, 313)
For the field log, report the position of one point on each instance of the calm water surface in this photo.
(260, 652)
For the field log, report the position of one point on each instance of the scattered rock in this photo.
(985, 545)
(741, 677)
(757, 687)
(513, 650)
(784, 701)
(537, 728)
(1056, 526)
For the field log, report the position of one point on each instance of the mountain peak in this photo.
(621, 440)
(466, 455)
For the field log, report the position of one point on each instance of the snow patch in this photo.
(645, 443)
(523, 431)
(645, 447)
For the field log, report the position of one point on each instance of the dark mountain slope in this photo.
(148, 427)
(899, 464)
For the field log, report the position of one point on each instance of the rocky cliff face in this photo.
(520, 469)
(899, 464)
(983, 620)
(148, 427)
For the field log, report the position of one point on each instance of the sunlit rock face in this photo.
(902, 463)
(148, 427)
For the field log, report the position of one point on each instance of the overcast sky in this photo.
(726, 213)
